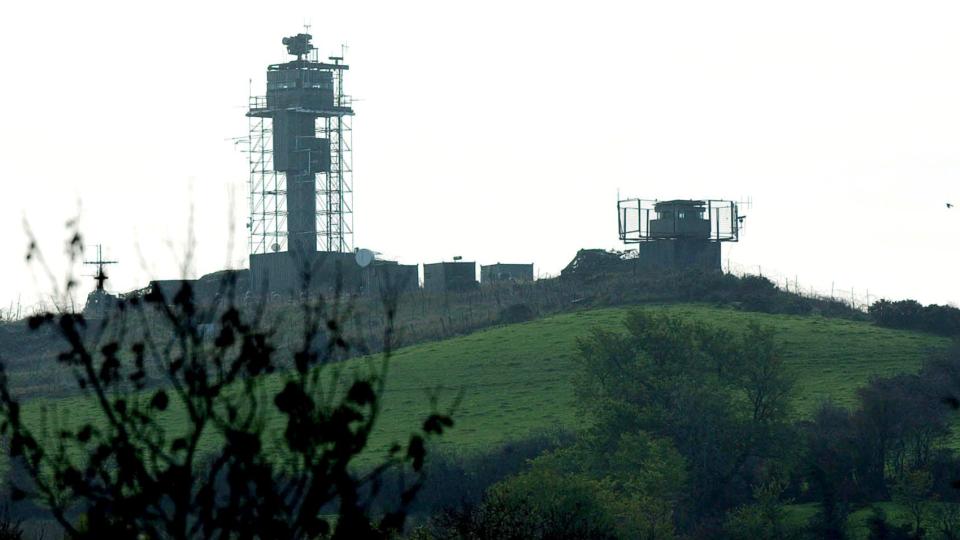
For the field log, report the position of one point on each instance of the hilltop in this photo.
(424, 316)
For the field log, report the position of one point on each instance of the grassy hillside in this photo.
(517, 379)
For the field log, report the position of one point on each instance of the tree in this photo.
(764, 519)
(646, 476)
(719, 399)
(947, 517)
(899, 425)
(162, 390)
(761, 374)
(911, 490)
(881, 529)
(830, 469)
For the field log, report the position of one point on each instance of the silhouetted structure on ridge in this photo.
(450, 276)
(678, 234)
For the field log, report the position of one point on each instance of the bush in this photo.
(757, 293)
(457, 481)
(912, 315)
(706, 286)
(537, 505)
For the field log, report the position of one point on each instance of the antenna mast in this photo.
(100, 277)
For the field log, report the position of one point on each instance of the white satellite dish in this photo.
(365, 257)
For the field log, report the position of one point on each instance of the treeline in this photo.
(912, 315)
(894, 446)
(693, 436)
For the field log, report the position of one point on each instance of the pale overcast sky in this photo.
(500, 131)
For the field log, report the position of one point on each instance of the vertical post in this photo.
(734, 221)
(718, 224)
(709, 209)
(620, 220)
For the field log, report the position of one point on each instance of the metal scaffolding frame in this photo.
(634, 217)
(267, 224)
(335, 189)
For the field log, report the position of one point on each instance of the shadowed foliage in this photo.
(128, 473)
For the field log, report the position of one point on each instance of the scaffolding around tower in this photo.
(300, 157)
(267, 224)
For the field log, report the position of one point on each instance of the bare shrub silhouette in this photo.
(198, 434)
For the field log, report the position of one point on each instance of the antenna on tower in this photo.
(100, 277)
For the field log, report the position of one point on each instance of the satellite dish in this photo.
(365, 257)
(275, 247)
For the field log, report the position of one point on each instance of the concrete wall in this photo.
(500, 272)
(383, 276)
(679, 254)
(449, 276)
(676, 227)
(284, 272)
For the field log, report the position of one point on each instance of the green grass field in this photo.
(516, 379)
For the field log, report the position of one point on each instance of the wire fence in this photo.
(855, 297)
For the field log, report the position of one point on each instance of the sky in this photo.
(496, 131)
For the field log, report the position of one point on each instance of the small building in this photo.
(450, 276)
(511, 273)
(680, 219)
(383, 276)
(678, 234)
(289, 272)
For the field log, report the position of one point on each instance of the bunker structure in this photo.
(505, 273)
(450, 276)
(382, 276)
(679, 234)
(301, 215)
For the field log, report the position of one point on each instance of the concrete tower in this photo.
(301, 215)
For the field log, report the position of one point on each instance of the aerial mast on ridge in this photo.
(101, 276)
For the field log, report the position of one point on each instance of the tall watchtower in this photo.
(301, 193)
(300, 130)
(678, 234)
